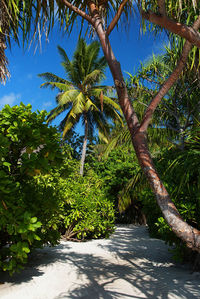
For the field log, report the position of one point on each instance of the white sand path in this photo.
(128, 265)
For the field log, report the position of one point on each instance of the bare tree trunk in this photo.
(83, 154)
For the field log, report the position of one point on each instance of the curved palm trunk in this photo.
(83, 154)
(184, 231)
(187, 233)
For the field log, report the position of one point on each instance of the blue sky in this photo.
(130, 49)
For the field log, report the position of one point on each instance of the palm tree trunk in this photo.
(183, 230)
(187, 233)
(83, 154)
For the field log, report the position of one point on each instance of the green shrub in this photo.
(29, 204)
(88, 213)
(41, 196)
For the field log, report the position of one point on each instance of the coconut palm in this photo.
(80, 95)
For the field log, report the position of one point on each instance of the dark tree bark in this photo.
(187, 233)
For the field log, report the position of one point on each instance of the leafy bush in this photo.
(40, 194)
(88, 213)
(29, 204)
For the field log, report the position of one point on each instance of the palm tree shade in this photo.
(80, 94)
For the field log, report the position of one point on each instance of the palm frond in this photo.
(93, 78)
(55, 112)
(63, 54)
(63, 87)
(112, 103)
(79, 103)
(50, 77)
(135, 183)
(90, 105)
(71, 120)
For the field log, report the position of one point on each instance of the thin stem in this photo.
(78, 11)
(116, 17)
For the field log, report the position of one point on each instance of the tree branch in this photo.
(189, 33)
(166, 86)
(116, 17)
(168, 83)
(149, 80)
(78, 11)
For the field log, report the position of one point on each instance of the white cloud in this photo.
(10, 99)
(47, 104)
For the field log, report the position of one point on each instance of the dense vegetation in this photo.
(28, 147)
(42, 195)
(41, 192)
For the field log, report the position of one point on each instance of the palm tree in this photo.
(80, 95)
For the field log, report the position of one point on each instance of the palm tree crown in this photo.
(80, 95)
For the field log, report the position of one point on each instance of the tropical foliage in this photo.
(80, 95)
(41, 193)
(173, 140)
(30, 160)
(28, 147)
(181, 175)
(88, 212)
(179, 112)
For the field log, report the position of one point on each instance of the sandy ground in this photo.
(128, 265)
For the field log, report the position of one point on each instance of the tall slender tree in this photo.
(80, 95)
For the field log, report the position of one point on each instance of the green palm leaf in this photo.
(93, 77)
(60, 86)
(90, 105)
(56, 112)
(51, 77)
(67, 96)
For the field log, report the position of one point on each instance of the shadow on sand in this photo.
(132, 266)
